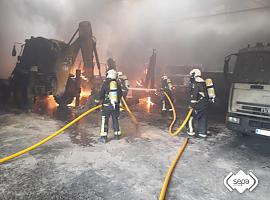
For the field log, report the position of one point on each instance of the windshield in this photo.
(253, 67)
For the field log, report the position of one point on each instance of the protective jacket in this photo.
(105, 91)
(123, 80)
(199, 99)
(166, 85)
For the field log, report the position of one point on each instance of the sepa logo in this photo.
(241, 181)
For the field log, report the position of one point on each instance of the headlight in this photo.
(234, 120)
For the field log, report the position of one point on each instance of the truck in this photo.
(44, 68)
(249, 98)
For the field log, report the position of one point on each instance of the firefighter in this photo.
(199, 101)
(110, 95)
(123, 80)
(166, 86)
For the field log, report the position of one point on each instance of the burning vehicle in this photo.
(44, 68)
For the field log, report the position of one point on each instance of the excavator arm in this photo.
(87, 44)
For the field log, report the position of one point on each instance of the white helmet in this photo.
(120, 73)
(164, 77)
(195, 72)
(112, 74)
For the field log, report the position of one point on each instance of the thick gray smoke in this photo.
(128, 30)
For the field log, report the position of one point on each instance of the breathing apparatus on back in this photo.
(210, 89)
(113, 92)
(167, 81)
(195, 76)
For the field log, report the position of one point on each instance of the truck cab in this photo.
(249, 99)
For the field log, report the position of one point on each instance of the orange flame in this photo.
(147, 103)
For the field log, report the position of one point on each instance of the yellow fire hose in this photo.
(134, 119)
(174, 133)
(181, 150)
(169, 173)
(2, 160)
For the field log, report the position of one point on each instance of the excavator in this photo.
(44, 68)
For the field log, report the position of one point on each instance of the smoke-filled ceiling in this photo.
(183, 32)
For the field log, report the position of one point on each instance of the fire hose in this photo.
(174, 133)
(181, 150)
(134, 119)
(169, 173)
(5, 159)
(2, 160)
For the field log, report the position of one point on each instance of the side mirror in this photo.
(14, 52)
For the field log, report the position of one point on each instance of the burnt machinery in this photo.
(44, 67)
(150, 75)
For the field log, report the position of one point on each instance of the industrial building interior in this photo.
(188, 81)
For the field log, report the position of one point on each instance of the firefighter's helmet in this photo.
(164, 77)
(195, 73)
(112, 74)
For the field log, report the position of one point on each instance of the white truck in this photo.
(249, 99)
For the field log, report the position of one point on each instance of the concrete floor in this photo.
(75, 166)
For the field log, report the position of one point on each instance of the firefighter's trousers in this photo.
(107, 111)
(165, 102)
(201, 119)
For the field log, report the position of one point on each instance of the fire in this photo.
(84, 78)
(147, 103)
(83, 95)
(139, 83)
(45, 105)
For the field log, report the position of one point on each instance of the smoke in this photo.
(128, 30)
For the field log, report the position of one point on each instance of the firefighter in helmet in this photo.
(199, 101)
(110, 95)
(123, 80)
(166, 86)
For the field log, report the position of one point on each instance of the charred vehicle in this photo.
(43, 67)
(249, 99)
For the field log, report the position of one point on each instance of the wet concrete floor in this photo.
(74, 165)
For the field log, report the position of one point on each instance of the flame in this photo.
(147, 103)
(139, 83)
(45, 105)
(84, 94)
